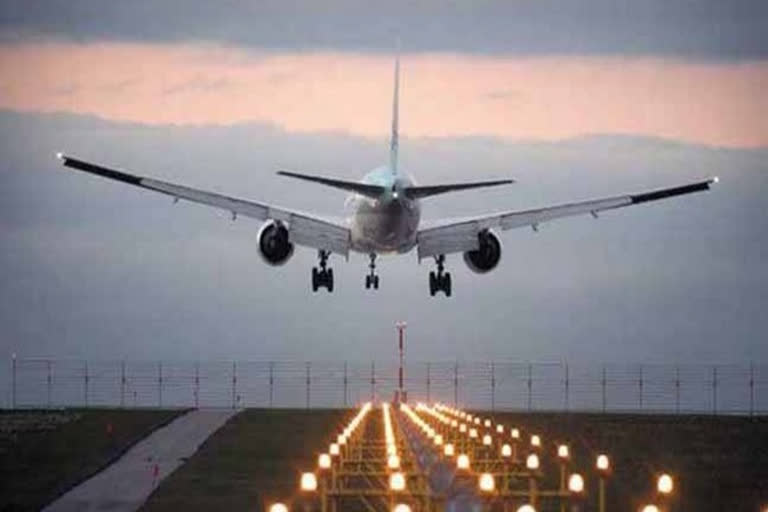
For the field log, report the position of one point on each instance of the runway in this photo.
(126, 484)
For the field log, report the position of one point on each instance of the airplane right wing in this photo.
(462, 235)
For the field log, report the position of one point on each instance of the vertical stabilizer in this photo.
(393, 144)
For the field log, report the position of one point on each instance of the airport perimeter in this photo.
(492, 386)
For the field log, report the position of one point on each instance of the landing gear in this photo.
(372, 280)
(322, 277)
(440, 281)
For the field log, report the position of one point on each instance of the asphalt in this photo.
(127, 483)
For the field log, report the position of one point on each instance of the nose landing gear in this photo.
(372, 280)
(322, 277)
(440, 281)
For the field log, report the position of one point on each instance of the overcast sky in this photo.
(573, 102)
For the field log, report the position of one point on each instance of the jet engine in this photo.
(487, 255)
(274, 246)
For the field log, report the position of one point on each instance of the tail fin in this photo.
(394, 143)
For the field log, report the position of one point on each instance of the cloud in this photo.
(707, 29)
(715, 103)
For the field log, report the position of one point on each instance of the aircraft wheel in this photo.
(432, 284)
(447, 284)
(315, 279)
(375, 282)
(367, 282)
(329, 280)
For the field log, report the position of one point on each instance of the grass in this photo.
(45, 453)
(720, 463)
(251, 461)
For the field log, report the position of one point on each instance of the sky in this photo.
(573, 100)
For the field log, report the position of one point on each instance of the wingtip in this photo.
(60, 155)
(716, 179)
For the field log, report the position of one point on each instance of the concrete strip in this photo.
(126, 484)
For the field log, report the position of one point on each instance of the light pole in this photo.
(401, 347)
(603, 469)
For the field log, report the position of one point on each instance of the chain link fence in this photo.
(502, 386)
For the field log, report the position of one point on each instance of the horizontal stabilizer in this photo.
(433, 190)
(364, 189)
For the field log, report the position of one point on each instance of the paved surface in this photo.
(126, 484)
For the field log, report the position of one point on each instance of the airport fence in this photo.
(501, 386)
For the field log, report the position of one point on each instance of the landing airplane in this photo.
(386, 217)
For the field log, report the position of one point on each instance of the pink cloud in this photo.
(442, 95)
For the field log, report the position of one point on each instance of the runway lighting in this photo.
(486, 482)
(477, 420)
(324, 461)
(438, 440)
(397, 482)
(462, 428)
(576, 483)
(603, 464)
(535, 441)
(393, 462)
(278, 507)
(473, 433)
(487, 423)
(665, 484)
(341, 440)
(532, 462)
(462, 462)
(506, 450)
(499, 429)
(487, 440)
(650, 508)
(333, 449)
(526, 508)
(563, 452)
(401, 507)
(515, 433)
(448, 450)
(308, 482)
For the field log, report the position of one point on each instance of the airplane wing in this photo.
(303, 229)
(462, 235)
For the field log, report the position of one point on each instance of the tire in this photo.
(367, 282)
(432, 284)
(375, 282)
(315, 281)
(447, 284)
(329, 280)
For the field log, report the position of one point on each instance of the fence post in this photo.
(373, 381)
(49, 381)
(456, 384)
(603, 384)
(271, 384)
(234, 384)
(429, 384)
(714, 390)
(308, 373)
(345, 384)
(567, 389)
(493, 388)
(751, 389)
(677, 390)
(122, 383)
(197, 385)
(530, 387)
(159, 383)
(85, 384)
(640, 387)
(13, 380)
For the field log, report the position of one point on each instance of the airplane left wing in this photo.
(462, 235)
(303, 228)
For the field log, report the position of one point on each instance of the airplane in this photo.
(386, 216)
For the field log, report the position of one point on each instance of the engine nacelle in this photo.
(274, 246)
(487, 255)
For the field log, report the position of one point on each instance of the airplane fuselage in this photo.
(389, 223)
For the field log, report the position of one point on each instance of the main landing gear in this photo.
(440, 281)
(372, 280)
(324, 276)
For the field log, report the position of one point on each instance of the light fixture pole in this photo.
(401, 341)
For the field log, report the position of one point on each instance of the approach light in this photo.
(393, 462)
(473, 433)
(477, 420)
(665, 484)
(324, 461)
(506, 450)
(576, 483)
(515, 433)
(603, 464)
(333, 449)
(438, 440)
(401, 507)
(454, 423)
(563, 452)
(487, 423)
(397, 482)
(487, 440)
(499, 429)
(526, 508)
(535, 441)
(486, 482)
(341, 440)
(532, 462)
(308, 482)
(278, 507)
(650, 508)
(462, 428)
(448, 450)
(462, 461)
